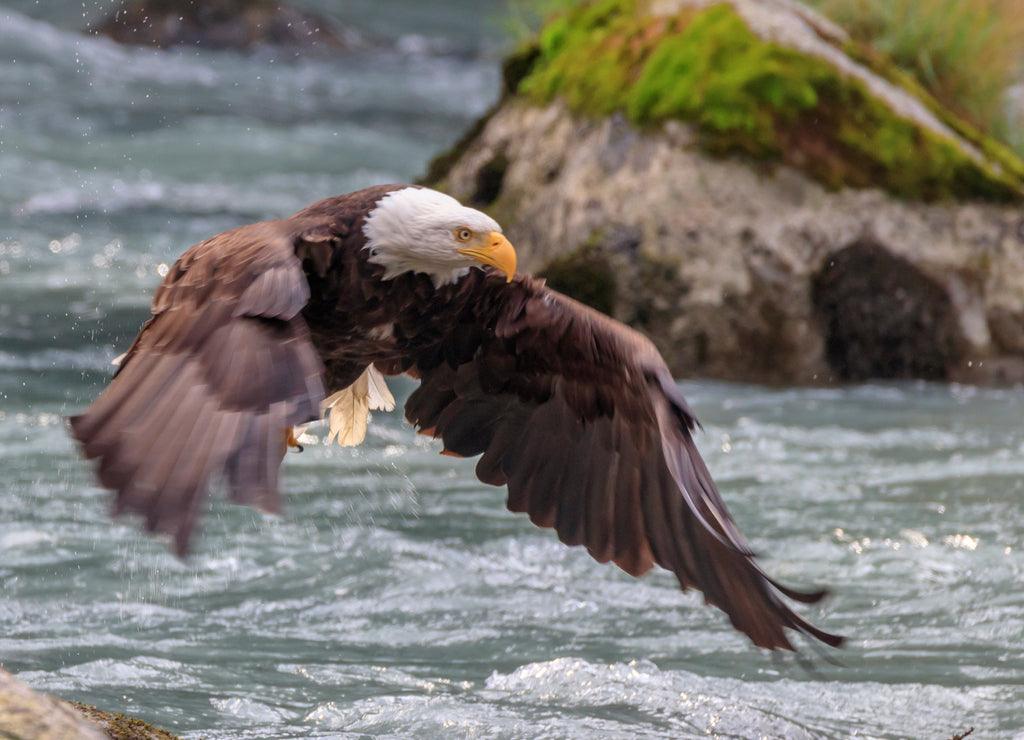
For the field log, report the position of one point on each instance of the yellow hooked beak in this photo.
(492, 249)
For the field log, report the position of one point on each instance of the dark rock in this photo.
(239, 25)
(488, 181)
(884, 318)
(585, 275)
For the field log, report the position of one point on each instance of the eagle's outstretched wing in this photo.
(579, 416)
(215, 378)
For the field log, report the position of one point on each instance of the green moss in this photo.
(718, 74)
(1000, 154)
(589, 55)
(746, 95)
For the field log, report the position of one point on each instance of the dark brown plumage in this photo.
(574, 412)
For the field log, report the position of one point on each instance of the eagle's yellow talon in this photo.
(291, 441)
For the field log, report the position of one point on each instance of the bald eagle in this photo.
(260, 329)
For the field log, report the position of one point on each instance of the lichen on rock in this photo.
(119, 727)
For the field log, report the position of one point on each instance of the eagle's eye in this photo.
(463, 234)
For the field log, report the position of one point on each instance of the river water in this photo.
(396, 598)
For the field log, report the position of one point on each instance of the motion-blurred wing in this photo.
(579, 416)
(211, 384)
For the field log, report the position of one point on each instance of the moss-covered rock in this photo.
(759, 195)
(755, 96)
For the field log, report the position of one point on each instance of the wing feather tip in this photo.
(75, 424)
(181, 542)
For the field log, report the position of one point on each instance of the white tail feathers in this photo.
(350, 408)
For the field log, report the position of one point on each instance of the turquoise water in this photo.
(396, 598)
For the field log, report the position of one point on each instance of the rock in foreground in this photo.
(28, 715)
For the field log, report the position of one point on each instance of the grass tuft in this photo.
(965, 52)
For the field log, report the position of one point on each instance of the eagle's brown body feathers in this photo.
(575, 412)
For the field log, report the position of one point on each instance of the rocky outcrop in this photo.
(754, 230)
(239, 25)
(28, 715)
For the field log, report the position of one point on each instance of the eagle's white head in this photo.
(422, 230)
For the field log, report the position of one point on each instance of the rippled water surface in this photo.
(396, 597)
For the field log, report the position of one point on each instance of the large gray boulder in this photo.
(781, 242)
